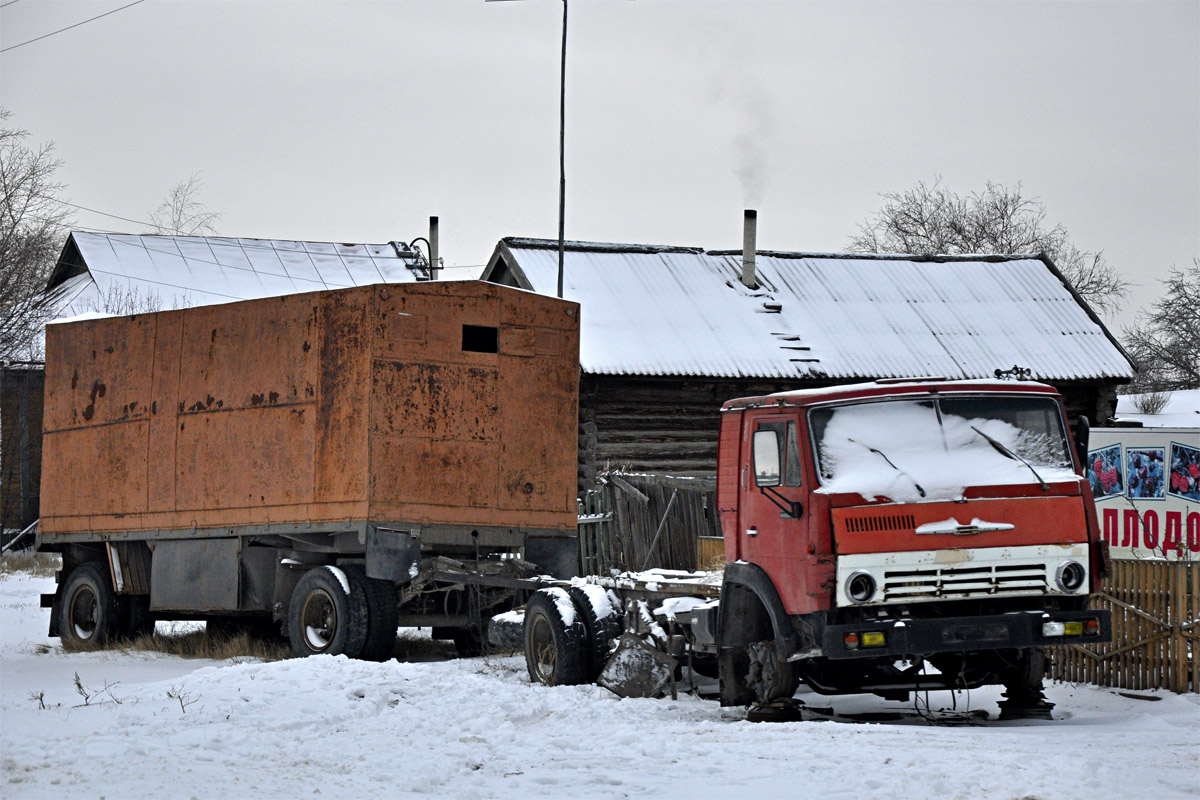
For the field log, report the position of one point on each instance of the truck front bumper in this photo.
(922, 637)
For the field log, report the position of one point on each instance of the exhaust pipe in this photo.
(433, 248)
(749, 234)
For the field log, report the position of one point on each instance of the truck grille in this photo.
(880, 522)
(965, 581)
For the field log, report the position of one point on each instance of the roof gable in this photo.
(683, 311)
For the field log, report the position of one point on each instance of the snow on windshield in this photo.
(899, 449)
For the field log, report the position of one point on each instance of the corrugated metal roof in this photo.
(185, 271)
(683, 311)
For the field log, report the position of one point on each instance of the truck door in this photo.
(771, 516)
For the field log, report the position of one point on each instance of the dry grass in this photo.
(186, 642)
(415, 645)
(196, 643)
(41, 565)
(218, 646)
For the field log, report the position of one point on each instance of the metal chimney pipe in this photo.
(433, 248)
(749, 234)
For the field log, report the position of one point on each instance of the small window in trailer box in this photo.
(481, 339)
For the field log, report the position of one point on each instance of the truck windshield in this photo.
(933, 448)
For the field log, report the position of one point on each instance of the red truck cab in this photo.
(875, 529)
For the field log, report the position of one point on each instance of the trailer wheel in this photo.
(505, 632)
(380, 644)
(601, 620)
(136, 616)
(468, 641)
(327, 614)
(556, 650)
(89, 611)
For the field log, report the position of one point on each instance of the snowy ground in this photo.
(329, 727)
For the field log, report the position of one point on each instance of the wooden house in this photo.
(669, 333)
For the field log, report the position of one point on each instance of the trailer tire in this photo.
(135, 614)
(468, 641)
(506, 634)
(257, 627)
(556, 651)
(382, 614)
(325, 616)
(89, 610)
(603, 627)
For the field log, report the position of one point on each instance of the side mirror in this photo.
(766, 458)
(1082, 432)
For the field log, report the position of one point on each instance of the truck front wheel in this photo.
(89, 611)
(327, 614)
(556, 645)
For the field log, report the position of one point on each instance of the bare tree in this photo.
(1165, 341)
(121, 299)
(182, 213)
(32, 223)
(930, 219)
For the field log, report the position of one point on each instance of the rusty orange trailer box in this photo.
(448, 410)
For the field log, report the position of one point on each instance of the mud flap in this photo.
(635, 669)
(393, 555)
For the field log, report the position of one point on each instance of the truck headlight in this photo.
(1070, 576)
(860, 587)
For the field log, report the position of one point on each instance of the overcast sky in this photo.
(354, 122)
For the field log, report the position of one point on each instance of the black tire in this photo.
(733, 665)
(1022, 677)
(326, 617)
(88, 610)
(136, 616)
(602, 627)
(257, 627)
(468, 642)
(505, 633)
(556, 653)
(771, 676)
(382, 614)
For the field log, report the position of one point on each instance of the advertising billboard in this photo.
(1146, 482)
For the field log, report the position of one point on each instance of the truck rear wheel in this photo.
(327, 614)
(89, 611)
(556, 651)
(601, 621)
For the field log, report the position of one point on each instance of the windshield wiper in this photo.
(890, 464)
(1004, 451)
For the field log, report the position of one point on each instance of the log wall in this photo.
(668, 425)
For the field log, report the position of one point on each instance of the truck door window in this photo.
(789, 452)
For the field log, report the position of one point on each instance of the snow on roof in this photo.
(185, 271)
(683, 311)
(1181, 411)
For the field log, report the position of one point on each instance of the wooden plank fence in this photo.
(1155, 608)
(636, 522)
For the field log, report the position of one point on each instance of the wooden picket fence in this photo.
(1155, 609)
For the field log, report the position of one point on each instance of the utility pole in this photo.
(562, 149)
